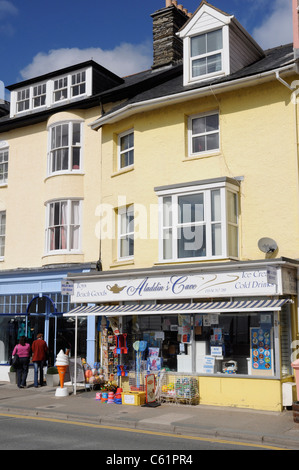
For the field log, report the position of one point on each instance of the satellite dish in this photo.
(267, 245)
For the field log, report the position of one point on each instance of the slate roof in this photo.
(274, 59)
(151, 84)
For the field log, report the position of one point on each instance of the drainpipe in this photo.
(292, 88)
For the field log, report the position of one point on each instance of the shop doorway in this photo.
(42, 318)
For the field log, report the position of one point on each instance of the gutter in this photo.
(147, 105)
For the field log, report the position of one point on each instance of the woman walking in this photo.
(23, 351)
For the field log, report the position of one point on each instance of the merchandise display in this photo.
(178, 389)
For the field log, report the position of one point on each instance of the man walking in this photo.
(39, 357)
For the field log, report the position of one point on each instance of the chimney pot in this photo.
(168, 3)
(180, 7)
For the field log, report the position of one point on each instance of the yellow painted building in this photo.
(169, 202)
(199, 217)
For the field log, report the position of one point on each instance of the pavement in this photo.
(276, 429)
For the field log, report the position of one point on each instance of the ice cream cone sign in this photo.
(62, 363)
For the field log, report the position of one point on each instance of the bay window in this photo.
(63, 230)
(65, 147)
(199, 221)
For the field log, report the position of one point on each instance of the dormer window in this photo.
(70, 86)
(52, 92)
(23, 100)
(60, 89)
(39, 95)
(214, 45)
(206, 53)
(78, 84)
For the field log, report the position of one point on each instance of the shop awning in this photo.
(254, 305)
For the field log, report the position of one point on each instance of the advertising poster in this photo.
(261, 350)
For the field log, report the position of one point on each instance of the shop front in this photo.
(215, 335)
(31, 302)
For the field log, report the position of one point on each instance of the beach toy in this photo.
(140, 347)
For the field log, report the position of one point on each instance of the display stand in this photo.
(178, 389)
(79, 380)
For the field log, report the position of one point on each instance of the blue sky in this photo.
(39, 36)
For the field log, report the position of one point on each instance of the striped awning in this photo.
(268, 305)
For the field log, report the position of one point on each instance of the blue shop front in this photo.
(31, 302)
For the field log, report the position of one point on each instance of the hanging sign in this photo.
(67, 287)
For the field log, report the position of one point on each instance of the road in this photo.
(33, 433)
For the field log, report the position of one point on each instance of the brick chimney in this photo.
(296, 28)
(168, 47)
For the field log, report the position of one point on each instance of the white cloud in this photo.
(7, 8)
(123, 60)
(277, 27)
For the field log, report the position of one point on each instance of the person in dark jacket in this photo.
(39, 358)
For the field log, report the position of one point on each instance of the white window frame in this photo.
(41, 93)
(2, 233)
(4, 150)
(81, 78)
(128, 233)
(206, 55)
(225, 62)
(70, 147)
(25, 97)
(191, 136)
(72, 228)
(121, 153)
(67, 85)
(173, 224)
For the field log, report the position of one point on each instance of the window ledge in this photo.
(117, 264)
(216, 153)
(122, 171)
(61, 252)
(195, 260)
(65, 173)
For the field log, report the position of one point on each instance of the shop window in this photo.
(228, 344)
